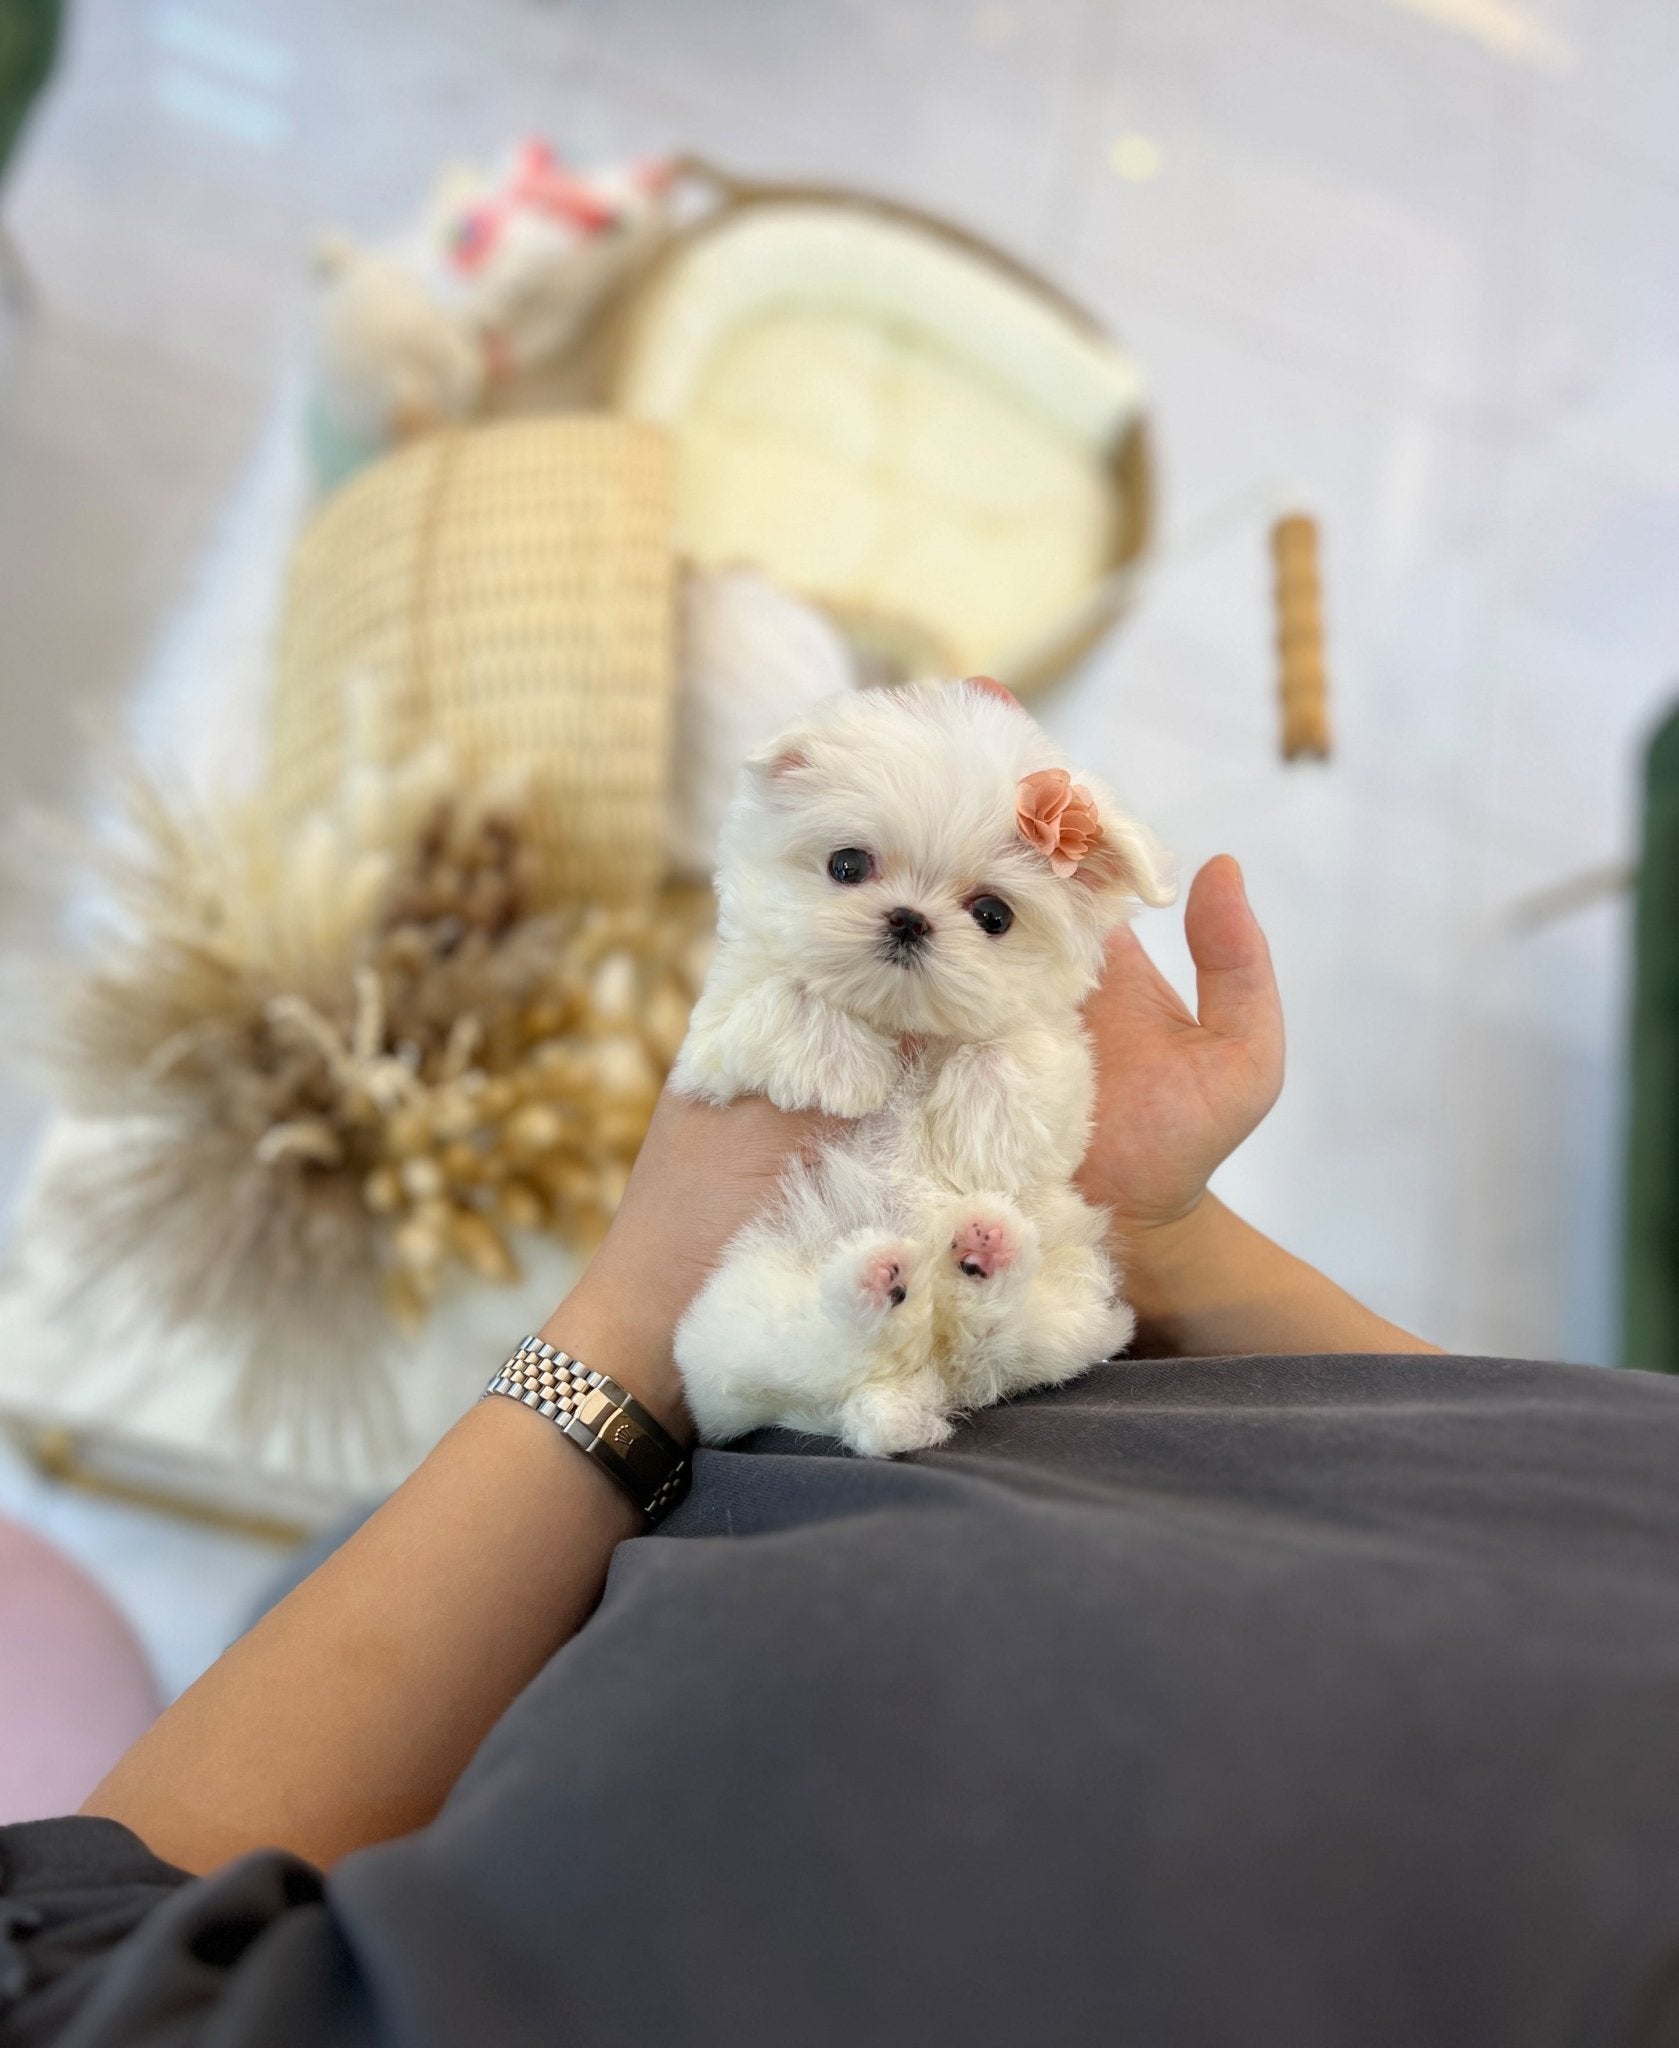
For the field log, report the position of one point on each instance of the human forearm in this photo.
(348, 1712)
(1208, 1284)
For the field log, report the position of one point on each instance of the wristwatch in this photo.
(604, 1420)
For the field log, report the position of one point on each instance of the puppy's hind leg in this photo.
(988, 1259)
(1071, 1318)
(778, 1337)
(907, 1411)
(878, 1289)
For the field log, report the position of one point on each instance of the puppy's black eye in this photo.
(991, 914)
(850, 864)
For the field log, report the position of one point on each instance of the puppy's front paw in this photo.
(779, 1040)
(857, 1081)
(829, 1061)
(983, 1121)
(701, 1073)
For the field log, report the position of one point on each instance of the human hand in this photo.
(1175, 1093)
(701, 1174)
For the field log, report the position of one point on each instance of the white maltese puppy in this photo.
(913, 897)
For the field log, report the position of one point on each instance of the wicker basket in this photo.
(657, 319)
(507, 588)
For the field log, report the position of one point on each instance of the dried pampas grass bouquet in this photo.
(337, 1064)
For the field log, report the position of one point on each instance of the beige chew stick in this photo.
(1303, 678)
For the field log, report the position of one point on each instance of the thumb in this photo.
(1235, 989)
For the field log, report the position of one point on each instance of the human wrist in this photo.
(1169, 1267)
(605, 1330)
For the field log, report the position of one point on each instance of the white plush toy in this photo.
(913, 898)
(497, 277)
(525, 254)
(388, 361)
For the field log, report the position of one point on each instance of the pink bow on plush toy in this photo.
(539, 183)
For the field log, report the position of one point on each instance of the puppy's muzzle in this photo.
(906, 936)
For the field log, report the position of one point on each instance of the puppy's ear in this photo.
(1129, 861)
(776, 766)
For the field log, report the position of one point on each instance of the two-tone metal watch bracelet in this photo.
(604, 1420)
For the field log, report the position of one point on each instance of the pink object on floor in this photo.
(75, 1688)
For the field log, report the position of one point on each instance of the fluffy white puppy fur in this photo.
(935, 1256)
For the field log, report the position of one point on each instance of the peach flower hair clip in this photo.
(1057, 815)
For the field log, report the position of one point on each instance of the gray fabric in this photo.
(1330, 1703)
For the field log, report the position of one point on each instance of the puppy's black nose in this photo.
(908, 927)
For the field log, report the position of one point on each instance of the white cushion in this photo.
(886, 423)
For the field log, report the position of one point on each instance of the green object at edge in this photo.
(1650, 1323)
(28, 44)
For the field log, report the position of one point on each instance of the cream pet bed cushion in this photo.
(889, 423)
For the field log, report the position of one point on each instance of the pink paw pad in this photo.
(983, 1246)
(883, 1280)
